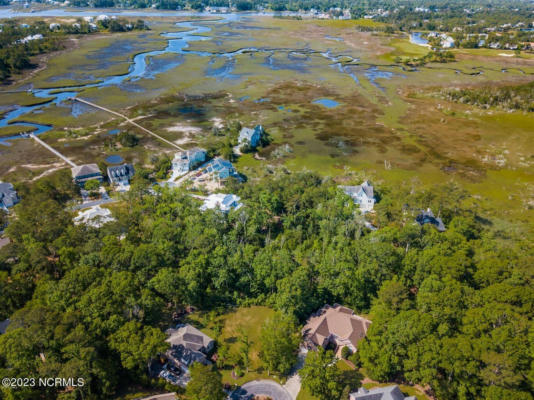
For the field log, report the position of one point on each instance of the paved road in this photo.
(165, 396)
(130, 121)
(93, 203)
(260, 387)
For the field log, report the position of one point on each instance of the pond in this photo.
(337, 39)
(114, 159)
(328, 103)
(416, 38)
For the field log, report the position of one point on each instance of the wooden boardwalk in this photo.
(50, 148)
(130, 121)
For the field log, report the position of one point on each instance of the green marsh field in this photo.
(384, 121)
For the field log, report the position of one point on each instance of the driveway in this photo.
(165, 396)
(93, 203)
(261, 387)
(293, 384)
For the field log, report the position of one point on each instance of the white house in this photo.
(54, 26)
(29, 38)
(447, 42)
(102, 18)
(250, 136)
(224, 202)
(363, 195)
(185, 161)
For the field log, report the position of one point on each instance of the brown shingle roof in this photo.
(337, 321)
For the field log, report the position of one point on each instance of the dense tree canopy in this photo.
(452, 310)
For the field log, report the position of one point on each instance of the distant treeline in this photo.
(19, 42)
(519, 97)
(404, 13)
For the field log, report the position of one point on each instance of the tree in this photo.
(3, 219)
(279, 343)
(128, 139)
(92, 185)
(136, 344)
(244, 348)
(205, 383)
(322, 377)
(346, 352)
(167, 282)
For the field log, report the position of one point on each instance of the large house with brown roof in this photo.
(335, 325)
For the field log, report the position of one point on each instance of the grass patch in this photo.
(11, 130)
(405, 49)
(243, 320)
(349, 23)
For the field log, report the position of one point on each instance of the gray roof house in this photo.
(86, 172)
(185, 161)
(188, 346)
(120, 174)
(8, 195)
(191, 338)
(363, 195)
(380, 393)
(250, 136)
(427, 217)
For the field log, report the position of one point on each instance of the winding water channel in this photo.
(178, 43)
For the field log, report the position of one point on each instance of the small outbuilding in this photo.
(427, 217)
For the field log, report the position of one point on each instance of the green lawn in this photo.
(241, 321)
(404, 48)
